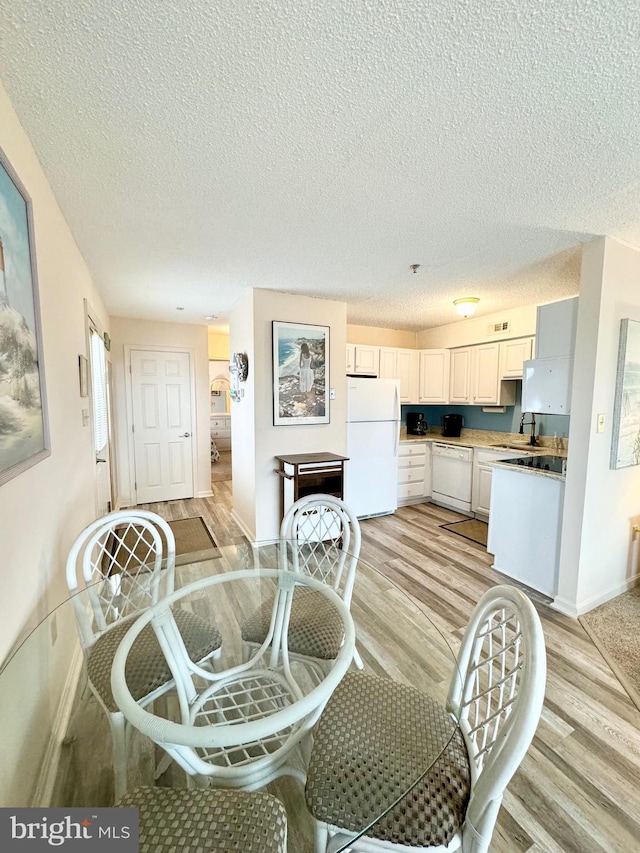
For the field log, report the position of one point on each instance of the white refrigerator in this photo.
(373, 429)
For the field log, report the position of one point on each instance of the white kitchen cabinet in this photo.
(407, 371)
(434, 376)
(414, 472)
(513, 354)
(363, 360)
(475, 377)
(556, 328)
(460, 376)
(546, 386)
(482, 476)
(525, 527)
(388, 364)
(351, 358)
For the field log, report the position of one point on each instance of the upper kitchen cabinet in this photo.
(434, 376)
(402, 364)
(513, 354)
(476, 379)
(556, 329)
(546, 385)
(363, 360)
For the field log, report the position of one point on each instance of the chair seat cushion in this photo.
(197, 820)
(374, 739)
(315, 627)
(146, 668)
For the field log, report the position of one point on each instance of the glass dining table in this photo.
(55, 739)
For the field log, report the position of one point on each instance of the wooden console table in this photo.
(309, 474)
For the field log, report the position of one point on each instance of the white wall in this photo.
(43, 509)
(474, 330)
(147, 333)
(601, 504)
(256, 488)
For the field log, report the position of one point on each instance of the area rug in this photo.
(193, 540)
(194, 543)
(469, 528)
(614, 628)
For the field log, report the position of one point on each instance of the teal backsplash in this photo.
(475, 418)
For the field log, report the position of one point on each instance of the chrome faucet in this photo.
(532, 423)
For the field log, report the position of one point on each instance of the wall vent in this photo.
(498, 328)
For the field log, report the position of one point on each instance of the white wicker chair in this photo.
(323, 540)
(390, 762)
(117, 567)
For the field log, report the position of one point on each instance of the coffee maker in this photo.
(416, 424)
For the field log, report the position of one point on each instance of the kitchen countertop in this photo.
(488, 439)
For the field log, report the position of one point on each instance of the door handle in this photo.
(185, 435)
(100, 460)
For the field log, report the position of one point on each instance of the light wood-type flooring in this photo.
(578, 789)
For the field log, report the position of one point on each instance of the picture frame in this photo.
(83, 370)
(24, 428)
(625, 441)
(300, 374)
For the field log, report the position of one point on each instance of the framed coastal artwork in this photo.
(625, 443)
(300, 374)
(24, 435)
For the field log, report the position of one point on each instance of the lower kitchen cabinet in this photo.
(525, 527)
(414, 472)
(482, 475)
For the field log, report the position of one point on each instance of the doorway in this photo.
(162, 411)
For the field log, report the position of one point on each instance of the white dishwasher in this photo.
(451, 476)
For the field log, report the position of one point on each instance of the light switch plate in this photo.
(600, 426)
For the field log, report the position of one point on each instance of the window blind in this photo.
(99, 392)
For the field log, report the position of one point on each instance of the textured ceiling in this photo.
(198, 149)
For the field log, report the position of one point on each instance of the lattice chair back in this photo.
(121, 559)
(327, 540)
(497, 694)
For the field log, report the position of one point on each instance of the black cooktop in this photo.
(555, 464)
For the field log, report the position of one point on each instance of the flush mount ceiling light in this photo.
(211, 317)
(467, 305)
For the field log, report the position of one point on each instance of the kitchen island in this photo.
(525, 522)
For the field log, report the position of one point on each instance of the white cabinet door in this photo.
(407, 368)
(388, 363)
(434, 376)
(367, 360)
(486, 382)
(512, 356)
(481, 494)
(460, 382)
(351, 358)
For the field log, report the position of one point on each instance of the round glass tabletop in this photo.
(252, 704)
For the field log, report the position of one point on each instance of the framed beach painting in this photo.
(300, 374)
(24, 436)
(625, 443)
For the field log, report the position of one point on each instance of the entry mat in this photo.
(194, 542)
(469, 528)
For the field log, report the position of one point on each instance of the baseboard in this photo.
(43, 791)
(571, 608)
(207, 493)
(250, 534)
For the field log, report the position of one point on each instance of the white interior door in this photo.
(162, 429)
